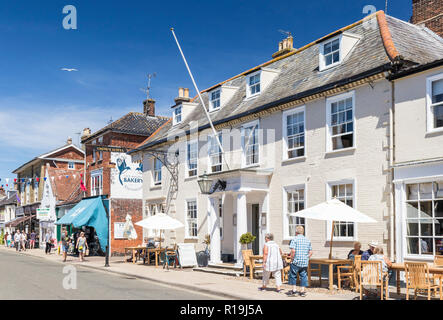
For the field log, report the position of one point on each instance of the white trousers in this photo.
(267, 275)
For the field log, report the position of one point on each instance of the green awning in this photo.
(89, 212)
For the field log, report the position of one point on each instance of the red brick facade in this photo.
(429, 13)
(118, 207)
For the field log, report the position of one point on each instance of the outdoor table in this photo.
(330, 263)
(157, 252)
(135, 250)
(436, 270)
(253, 258)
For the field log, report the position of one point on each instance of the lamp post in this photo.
(205, 184)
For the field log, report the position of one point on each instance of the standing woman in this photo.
(81, 246)
(272, 262)
(8, 240)
(5, 240)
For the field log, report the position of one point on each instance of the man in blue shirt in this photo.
(372, 245)
(301, 252)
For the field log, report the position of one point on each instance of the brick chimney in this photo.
(149, 107)
(183, 95)
(428, 13)
(284, 46)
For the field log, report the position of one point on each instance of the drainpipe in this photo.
(391, 163)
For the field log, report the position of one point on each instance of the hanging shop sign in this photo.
(111, 149)
(126, 177)
(43, 214)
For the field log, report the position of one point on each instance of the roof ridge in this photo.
(386, 36)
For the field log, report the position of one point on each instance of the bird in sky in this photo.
(68, 69)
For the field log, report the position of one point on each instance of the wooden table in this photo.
(330, 263)
(157, 252)
(397, 267)
(253, 258)
(135, 251)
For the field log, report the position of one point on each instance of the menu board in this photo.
(186, 255)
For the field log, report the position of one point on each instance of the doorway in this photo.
(255, 228)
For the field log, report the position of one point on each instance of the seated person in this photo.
(372, 245)
(356, 251)
(386, 264)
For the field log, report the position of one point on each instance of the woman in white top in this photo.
(272, 262)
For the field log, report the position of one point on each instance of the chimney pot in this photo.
(86, 132)
(186, 93)
(180, 92)
(183, 96)
(284, 46)
(69, 141)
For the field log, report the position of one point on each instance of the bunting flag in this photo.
(17, 197)
(82, 185)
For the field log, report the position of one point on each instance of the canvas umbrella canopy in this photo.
(160, 221)
(333, 210)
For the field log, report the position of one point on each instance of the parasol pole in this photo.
(332, 238)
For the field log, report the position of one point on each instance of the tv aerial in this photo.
(148, 88)
(286, 33)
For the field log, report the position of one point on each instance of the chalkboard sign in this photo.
(186, 254)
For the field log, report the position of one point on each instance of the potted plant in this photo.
(207, 242)
(246, 239)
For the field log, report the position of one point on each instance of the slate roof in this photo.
(300, 76)
(133, 123)
(12, 199)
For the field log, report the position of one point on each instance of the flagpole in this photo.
(201, 99)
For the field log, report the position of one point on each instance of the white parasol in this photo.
(160, 221)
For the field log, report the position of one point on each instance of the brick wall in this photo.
(119, 209)
(429, 12)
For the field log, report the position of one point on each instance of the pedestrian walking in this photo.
(48, 239)
(272, 262)
(81, 246)
(8, 240)
(65, 244)
(23, 241)
(32, 240)
(17, 237)
(301, 252)
(5, 239)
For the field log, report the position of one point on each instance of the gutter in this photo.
(298, 96)
(420, 68)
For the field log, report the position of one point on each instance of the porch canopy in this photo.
(89, 212)
(14, 223)
(333, 210)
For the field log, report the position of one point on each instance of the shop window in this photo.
(191, 218)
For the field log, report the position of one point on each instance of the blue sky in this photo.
(118, 43)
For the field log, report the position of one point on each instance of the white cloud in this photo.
(44, 127)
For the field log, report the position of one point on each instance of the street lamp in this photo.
(205, 184)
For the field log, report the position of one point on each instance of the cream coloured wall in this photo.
(412, 142)
(366, 165)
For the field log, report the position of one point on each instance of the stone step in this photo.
(226, 272)
(228, 266)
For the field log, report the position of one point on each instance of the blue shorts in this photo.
(65, 248)
(302, 271)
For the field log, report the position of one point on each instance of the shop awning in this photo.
(89, 212)
(14, 223)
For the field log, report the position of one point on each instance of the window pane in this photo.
(412, 192)
(412, 209)
(412, 227)
(426, 245)
(437, 91)
(426, 190)
(439, 246)
(438, 225)
(412, 244)
(438, 190)
(438, 116)
(425, 209)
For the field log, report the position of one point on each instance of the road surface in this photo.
(26, 277)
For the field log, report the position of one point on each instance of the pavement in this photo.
(215, 285)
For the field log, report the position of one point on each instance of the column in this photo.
(242, 225)
(214, 231)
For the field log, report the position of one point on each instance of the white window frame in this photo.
(256, 124)
(71, 165)
(188, 169)
(156, 172)
(176, 114)
(322, 58)
(286, 189)
(94, 174)
(187, 235)
(216, 101)
(329, 186)
(329, 136)
(35, 187)
(249, 94)
(211, 139)
(285, 131)
(151, 209)
(429, 114)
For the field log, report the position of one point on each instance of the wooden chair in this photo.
(357, 268)
(347, 272)
(438, 260)
(247, 261)
(285, 271)
(371, 274)
(419, 279)
(314, 271)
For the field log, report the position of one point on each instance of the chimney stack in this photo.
(183, 95)
(69, 141)
(86, 132)
(428, 13)
(284, 46)
(149, 107)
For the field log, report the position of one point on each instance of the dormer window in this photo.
(177, 115)
(331, 52)
(253, 85)
(214, 100)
